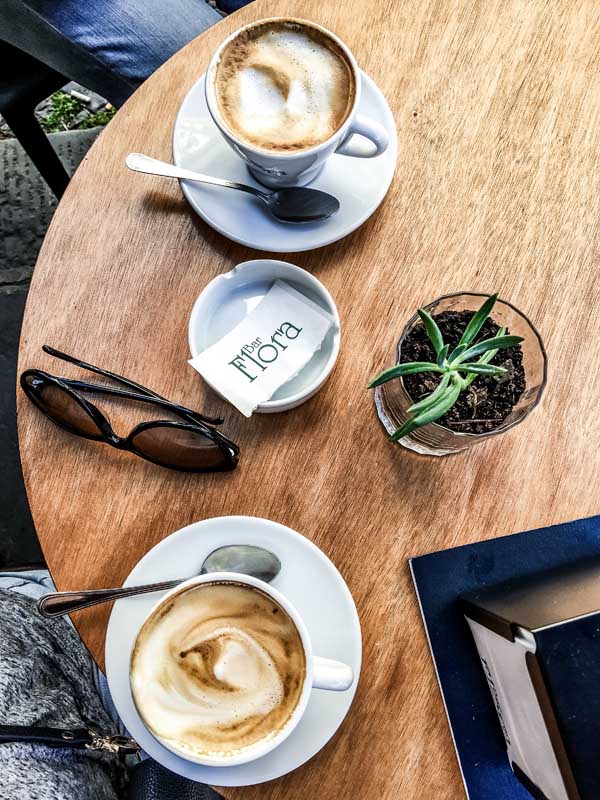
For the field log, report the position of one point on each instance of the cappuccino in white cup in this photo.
(222, 669)
(284, 87)
(284, 94)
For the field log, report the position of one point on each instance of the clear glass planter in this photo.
(392, 399)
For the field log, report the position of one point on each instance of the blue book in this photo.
(440, 579)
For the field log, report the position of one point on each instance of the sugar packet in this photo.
(266, 349)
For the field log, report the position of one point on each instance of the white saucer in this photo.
(308, 579)
(231, 296)
(360, 184)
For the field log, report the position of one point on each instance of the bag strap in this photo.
(78, 738)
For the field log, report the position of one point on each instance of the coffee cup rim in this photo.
(213, 107)
(263, 746)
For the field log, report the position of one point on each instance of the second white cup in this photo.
(321, 673)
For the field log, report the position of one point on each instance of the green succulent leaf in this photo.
(443, 355)
(410, 368)
(434, 333)
(496, 342)
(484, 359)
(432, 398)
(409, 426)
(458, 351)
(477, 320)
(482, 369)
(444, 403)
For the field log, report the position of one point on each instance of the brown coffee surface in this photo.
(284, 86)
(218, 669)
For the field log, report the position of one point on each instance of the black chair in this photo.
(37, 60)
(24, 82)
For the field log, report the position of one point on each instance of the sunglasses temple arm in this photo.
(126, 382)
(159, 401)
(104, 372)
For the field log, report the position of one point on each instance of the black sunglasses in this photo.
(189, 446)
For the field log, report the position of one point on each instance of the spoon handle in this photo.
(138, 162)
(59, 603)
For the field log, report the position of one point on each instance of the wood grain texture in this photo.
(497, 188)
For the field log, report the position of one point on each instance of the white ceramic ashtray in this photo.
(230, 297)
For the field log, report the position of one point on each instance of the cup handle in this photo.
(333, 675)
(368, 129)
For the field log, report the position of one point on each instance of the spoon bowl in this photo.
(246, 559)
(301, 204)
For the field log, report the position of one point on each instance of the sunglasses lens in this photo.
(179, 448)
(63, 409)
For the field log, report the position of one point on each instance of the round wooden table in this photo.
(497, 189)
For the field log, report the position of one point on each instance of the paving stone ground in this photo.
(26, 208)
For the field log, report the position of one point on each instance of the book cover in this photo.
(440, 578)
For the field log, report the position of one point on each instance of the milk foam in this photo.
(282, 87)
(218, 670)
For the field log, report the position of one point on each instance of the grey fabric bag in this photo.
(47, 680)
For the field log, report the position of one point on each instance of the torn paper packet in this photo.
(267, 349)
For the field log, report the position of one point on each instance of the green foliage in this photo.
(451, 366)
(101, 117)
(67, 112)
(64, 109)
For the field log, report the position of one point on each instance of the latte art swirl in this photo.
(218, 669)
(284, 86)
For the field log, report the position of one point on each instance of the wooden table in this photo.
(497, 188)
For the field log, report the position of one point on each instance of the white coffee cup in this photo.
(300, 167)
(321, 673)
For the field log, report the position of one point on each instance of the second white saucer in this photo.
(307, 578)
(360, 184)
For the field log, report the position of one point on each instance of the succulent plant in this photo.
(458, 368)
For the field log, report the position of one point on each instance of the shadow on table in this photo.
(317, 261)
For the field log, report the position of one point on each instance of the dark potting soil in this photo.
(490, 398)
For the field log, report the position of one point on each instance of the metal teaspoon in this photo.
(244, 558)
(293, 204)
